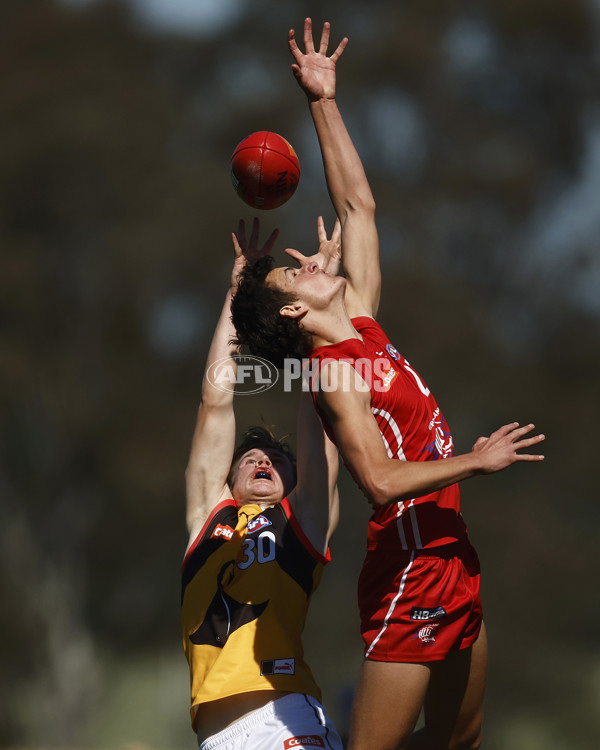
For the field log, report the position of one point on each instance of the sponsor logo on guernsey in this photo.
(441, 446)
(304, 740)
(258, 523)
(393, 352)
(421, 613)
(278, 666)
(224, 531)
(388, 376)
(426, 634)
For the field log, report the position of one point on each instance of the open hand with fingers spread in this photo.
(314, 71)
(500, 449)
(329, 255)
(247, 250)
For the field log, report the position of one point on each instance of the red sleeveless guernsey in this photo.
(412, 428)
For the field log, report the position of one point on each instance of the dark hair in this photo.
(262, 438)
(259, 326)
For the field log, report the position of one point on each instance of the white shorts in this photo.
(294, 722)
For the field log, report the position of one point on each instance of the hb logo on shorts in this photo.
(420, 613)
(307, 740)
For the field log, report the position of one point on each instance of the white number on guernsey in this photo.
(422, 387)
(263, 550)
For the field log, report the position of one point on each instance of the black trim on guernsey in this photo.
(207, 546)
(290, 554)
(290, 550)
(224, 616)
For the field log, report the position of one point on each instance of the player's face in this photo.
(309, 284)
(263, 476)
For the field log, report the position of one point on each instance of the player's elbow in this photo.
(383, 489)
(215, 398)
(378, 498)
(362, 202)
(190, 474)
(377, 489)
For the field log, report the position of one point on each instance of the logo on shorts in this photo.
(278, 666)
(426, 634)
(304, 740)
(258, 523)
(420, 613)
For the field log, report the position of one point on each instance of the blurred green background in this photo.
(479, 126)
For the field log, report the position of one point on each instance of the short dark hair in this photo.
(259, 326)
(263, 439)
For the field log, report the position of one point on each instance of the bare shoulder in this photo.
(341, 385)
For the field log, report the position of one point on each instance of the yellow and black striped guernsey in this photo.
(247, 581)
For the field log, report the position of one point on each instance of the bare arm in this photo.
(385, 480)
(214, 435)
(346, 180)
(315, 498)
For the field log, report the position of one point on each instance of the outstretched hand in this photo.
(247, 251)
(314, 71)
(329, 255)
(500, 449)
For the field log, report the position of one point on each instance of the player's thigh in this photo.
(454, 701)
(387, 703)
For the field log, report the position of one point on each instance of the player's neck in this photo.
(262, 504)
(332, 326)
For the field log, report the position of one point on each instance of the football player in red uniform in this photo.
(425, 643)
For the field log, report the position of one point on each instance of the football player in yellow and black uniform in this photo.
(259, 538)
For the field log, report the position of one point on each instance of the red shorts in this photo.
(417, 605)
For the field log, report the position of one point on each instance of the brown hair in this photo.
(258, 323)
(262, 438)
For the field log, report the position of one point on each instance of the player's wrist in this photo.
(476, 463)
(321, 101)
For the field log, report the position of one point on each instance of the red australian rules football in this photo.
(265, 170)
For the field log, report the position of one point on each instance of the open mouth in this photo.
(263, 474)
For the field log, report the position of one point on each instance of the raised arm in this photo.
(346, 180)
(213, 441)
(315, 498)
(385, 480)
